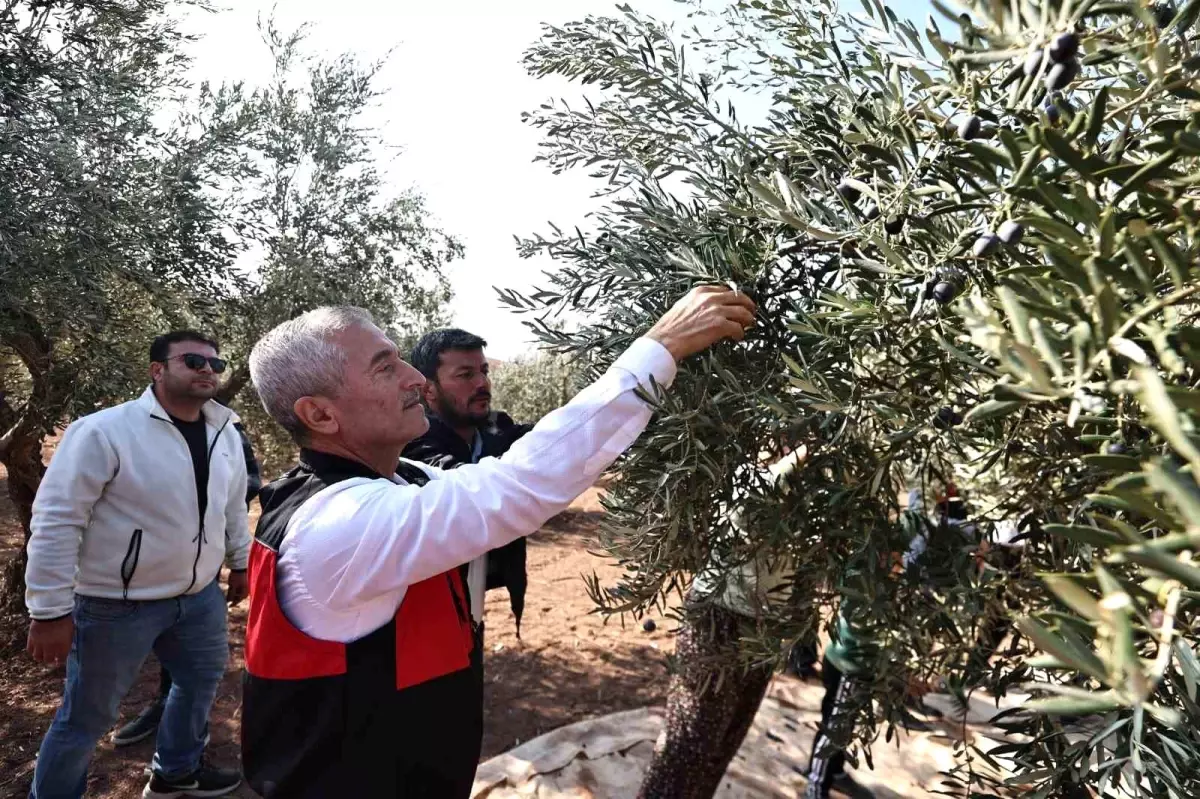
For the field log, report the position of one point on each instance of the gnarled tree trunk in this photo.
(705, 722)
(234, 385)
(21, 436)
(22, 459)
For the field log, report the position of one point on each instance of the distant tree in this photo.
(322, 224)
(242, 210)
(528, 388)
(108, 217)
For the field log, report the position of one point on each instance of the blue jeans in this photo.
(112, 640)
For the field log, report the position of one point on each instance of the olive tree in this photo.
(529, 387)
(321, 221)
(109, 217)
(973, 259)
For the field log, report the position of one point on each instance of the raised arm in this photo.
(406, 534)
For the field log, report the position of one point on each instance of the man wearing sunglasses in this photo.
(140, 506)
(146, 722)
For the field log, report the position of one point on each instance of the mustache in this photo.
(487, 395)
(414, 398)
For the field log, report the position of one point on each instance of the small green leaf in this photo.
(1067, 651)
(1083, 534)
(991, 409)
(1073, 595)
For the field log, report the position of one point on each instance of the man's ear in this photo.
(317, 415)
(156, 370)
(429, 393)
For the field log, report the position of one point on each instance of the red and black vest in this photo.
(397, 713)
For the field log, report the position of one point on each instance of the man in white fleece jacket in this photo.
(140, 505)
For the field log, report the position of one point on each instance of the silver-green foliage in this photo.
(529, 387)
(884, 165)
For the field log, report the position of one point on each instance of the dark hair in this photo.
(160, 348)
(427, 353)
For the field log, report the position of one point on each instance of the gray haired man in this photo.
(363, 673)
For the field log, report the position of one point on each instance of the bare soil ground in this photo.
(568, 666)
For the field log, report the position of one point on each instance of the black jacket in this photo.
(444, 448)
(253, 473)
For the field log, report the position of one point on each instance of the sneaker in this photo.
(204, 781)
(141, 727)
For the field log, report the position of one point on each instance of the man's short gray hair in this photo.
(300, 359)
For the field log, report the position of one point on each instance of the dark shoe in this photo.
(141, 727)
(204, 781)
(845, 785)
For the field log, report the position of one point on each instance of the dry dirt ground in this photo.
(568, 666)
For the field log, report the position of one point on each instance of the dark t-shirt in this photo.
(196, 435)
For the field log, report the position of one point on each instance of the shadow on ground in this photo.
(528, 692)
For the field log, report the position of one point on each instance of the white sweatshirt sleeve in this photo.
(373, 538)
(237, 515)
(83, 464)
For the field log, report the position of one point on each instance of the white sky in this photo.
(455, 91)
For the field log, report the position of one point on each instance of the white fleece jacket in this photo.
(117, 516)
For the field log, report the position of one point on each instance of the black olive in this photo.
(969, 128)
(1163, 13)
(1064, 46)
(761, 289)
(894, 225)
(1011, 232)
(944, 291)
(1116, 448)
(871, 211)
(847, 192)
(946, 418)
(1053, 113)
(1033, 62)
(649, 626)
(985, 244)
(1060, 75)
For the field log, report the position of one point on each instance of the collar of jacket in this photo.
(329, 465)
(216, 414)
(334, 468)
(447, 437)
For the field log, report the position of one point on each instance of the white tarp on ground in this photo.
(604, 758)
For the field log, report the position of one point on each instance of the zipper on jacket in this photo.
(201, 534)
(130, 561)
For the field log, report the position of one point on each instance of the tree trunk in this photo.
(705, 723)
(21, 437)
(22, 459)
(233, 386)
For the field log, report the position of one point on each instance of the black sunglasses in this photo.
(196, 362)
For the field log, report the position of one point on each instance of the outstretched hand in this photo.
(701, 318)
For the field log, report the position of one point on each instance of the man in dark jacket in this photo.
(145, 723)
(463, 428)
